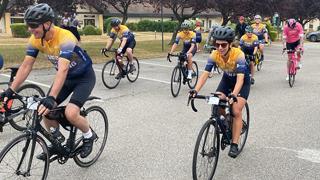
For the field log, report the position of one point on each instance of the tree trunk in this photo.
(225, 19)
(174, 35)
(124, 16)
(3, 7)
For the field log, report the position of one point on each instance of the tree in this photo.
(182, 10)
(3, 7)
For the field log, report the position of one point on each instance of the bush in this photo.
(91, 30)
(147, 25)
(80, 32)
(273, 35)
(106, 25)
(318, 29)
(132, 26)
(19, 30)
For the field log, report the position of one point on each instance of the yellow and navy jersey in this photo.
(63, 45)
(259, 30)
(236, 63)
(188, 38)
(124, 32)
(246, 42)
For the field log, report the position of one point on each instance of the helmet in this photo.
(249, 29)
(1, 61)
(115, 22)
(39, 14)
(198, 23)
(224, 33)
(291, 23)
(257, 17)
(186, 24)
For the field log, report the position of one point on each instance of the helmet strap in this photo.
(45, 32)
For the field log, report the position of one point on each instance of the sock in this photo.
(190, 71)
(87, 135)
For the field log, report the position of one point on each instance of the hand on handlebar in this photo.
(103, 50)
(232, 98)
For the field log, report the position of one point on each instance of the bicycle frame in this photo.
(182, 64)
(117, 60)
(293, 59)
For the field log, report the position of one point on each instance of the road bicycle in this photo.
(180, 73)
(19, 120)
(18, 158)
(293, 66)
(208, 144)
(114, 67)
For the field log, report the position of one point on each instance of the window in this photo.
(17, 20)
(210, 23)
(89, 22)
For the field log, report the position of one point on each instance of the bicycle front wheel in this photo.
(245, 127)
(22, 121)
(195, 74)
(176, 81)
(16, 156)
(259, 65)
(109, 72)
(206, 152)
(99, 124)
(133, 70)
(292, 74)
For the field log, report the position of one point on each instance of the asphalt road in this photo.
(152, 135)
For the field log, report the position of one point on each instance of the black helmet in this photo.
(224, 33)
(115, 22)
(39, 14)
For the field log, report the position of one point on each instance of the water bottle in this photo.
(57, 134)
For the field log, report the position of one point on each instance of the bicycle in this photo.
(17, 158)
(292, 71)
(18, 121)
(181, 69)
(208, 142)
(257, 60)
(113, 67)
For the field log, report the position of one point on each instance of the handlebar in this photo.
(174, 55)
(291, 51)
(105, 51)
(24, 100)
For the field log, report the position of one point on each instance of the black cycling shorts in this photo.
(186, 49)
(249, 51)
(292, 46)
(80, 87)
(227, 85)
(131, 44)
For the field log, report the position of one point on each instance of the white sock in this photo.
(190, 71)
(87, 135)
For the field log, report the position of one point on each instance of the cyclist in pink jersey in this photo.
(293, 38)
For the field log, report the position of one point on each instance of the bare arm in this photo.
(110, 42)
(23, 72)
(191, 48)
(123, 43)
(63, 68)
(174, 47)
(239, 83)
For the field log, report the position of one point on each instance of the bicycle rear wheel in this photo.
(99, 124)
(245, 127)
(16, 156)
(22, 121)
(133, 74)
(195, 74)
(259, 65)
(109, 73)
(176, 81)
(206, 152)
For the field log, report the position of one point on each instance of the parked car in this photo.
(313, 36)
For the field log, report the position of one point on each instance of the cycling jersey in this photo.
(187, 38)
(197, 30)
(123, 32)
(259, 30)
(249, 43)
(293, 35)
(64, 45)
(236, 63)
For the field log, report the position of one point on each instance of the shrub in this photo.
(106, 25)
(318, 29)
(19, 30)
(132, 26)
(91, 30)
(273, 35)
(80, 32)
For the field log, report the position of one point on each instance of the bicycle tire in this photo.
(109, 74)
(259, 65)
(176, 80)
(195, 75)
(93, 157)
(21, 123)
(13, 158)
(291, 74)
(245, 127)
(205, 130)
(133, 76)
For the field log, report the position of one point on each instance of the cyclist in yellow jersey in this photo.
(189, 44)
(127, 43)
(235, 82)
(249, 45)
(260, 30)
(74, 75)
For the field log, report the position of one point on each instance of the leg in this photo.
(237, 120)
(129, 52)
(73, 115)
(189, 66)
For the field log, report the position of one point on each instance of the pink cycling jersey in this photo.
(293, 35)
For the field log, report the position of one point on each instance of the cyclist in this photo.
(249, 45)
(197, 30)
(189, 40)
(293, 39)
(210, 40)
(260, 30)
(74, 72)
(127, 44)
(235, 82)
(240, 28)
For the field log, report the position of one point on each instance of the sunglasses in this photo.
(223, 45)
(33, 25)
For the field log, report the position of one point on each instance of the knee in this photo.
(72, 114)
(129, 51)
(237, 112)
